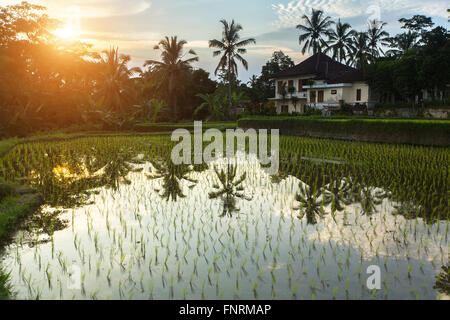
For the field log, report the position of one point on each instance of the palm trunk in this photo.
(172, 100)
(229, 87)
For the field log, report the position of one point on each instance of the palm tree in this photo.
(231, 48)
(314, 29)
(340, 41)
(359, 52)
(116, 85)
(171, 67)
(402, 43)
(376, 37)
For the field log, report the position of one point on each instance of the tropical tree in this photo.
(213, 104)
(340, 41)
(170, 69)
(402, 43)
(116, 86)
(315, 28)
(359, 51)
(376, 38)
(230, 48)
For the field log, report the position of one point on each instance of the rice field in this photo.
(122, 222)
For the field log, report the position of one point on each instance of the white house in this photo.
(321, 82)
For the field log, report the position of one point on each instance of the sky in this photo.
(135, 26)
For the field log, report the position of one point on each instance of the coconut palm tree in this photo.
(116, 85)
(171, 68)
(316, 26)
(231, 48)
(359, 51)
(402, 43)
(340, 41)
(376, 38)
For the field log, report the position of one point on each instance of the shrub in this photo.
(422, 132)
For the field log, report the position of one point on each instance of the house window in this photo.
(284, 108)
(300, 85)
(312, 96)
(320, 96)
(333, 92)
(358, 95)
(280, 84)
(291, 83)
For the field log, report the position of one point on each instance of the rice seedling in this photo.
(362, 211)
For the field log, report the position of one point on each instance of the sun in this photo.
(65, 33)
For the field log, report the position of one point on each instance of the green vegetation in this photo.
(410, 131)
(13, 209)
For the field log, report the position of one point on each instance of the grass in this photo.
(12, 209)
(141, 129)
(164, 127)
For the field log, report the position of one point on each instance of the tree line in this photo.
(46, 83)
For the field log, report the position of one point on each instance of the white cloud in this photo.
(90, 8)
(290, 14)
(198, 44)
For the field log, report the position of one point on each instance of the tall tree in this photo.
(116, 85)
(171, 68)
(402, 43)
(340, 41)
(231, 48)
(359, 52)
(417, 23)
(377, 37)
(279, 62)
(315, 28)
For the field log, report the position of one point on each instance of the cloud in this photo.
(91, 8)
(198, 44)
(290, 14)
(268, 50)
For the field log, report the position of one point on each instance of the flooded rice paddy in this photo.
(133, 226)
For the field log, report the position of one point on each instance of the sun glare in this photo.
(65, 33)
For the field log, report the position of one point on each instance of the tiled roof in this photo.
(323, 68)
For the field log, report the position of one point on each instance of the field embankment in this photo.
(401, 131)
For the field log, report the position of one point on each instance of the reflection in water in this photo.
(229, 189)
(443, 280)
(311, 203)
(172, 175)
(129, 243)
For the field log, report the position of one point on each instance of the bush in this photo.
(312, 111)
(421, 132)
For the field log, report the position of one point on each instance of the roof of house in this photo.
(323, 68)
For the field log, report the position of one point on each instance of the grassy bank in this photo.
(168, 127)
(15, 204)
(404, 131)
